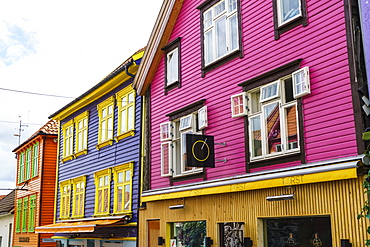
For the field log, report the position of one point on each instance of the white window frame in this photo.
(165, 136)
(272, 96)
(176, 144)
(301, 77)
(280, 14)
(280, 100)
(212, 29)
(173, 65)
(202, 118)
(244, 105)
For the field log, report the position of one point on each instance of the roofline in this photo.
(112, 81)
(159, 37)
(31, 139)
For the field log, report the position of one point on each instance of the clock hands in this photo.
(203, 144)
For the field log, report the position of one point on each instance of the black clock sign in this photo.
(200, 151)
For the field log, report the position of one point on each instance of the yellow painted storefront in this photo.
(341, 200)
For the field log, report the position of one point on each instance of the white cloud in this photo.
(61, 48)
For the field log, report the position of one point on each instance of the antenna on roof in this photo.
(20, 130)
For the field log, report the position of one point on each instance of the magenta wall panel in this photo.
(328, 119)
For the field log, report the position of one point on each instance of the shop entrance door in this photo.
(153, 233)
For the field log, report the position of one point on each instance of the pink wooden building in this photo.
(269, 91)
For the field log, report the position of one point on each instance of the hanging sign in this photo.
(200, 151)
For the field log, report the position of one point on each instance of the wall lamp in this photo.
(280, 198)
(179, 206)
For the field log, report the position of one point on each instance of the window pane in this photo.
(127, 176)
(124, 121)
(208, 49)
(127, 197)
(130, 118)
(103, 130)
(219, 8)
(110, 110)
(221, 37)
(232, 5)
(110, 130)
(120, 177)
(124, 101)
(255, 136)
(272, 123)
(104, 113)
(207, 19)
(119, 198)
(172, 66)
(289, 9)
(238, 104)
(131, 98)
(291, 127)
(233, 33)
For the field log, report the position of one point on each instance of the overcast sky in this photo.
(60, 48)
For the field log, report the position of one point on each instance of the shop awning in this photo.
(74, 227)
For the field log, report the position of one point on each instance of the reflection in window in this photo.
(188, 234)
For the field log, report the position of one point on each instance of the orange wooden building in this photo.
(36, 169)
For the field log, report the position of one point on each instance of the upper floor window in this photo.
(122, 188)
(288, 14)
(106, 117)
(67, 129)
(28, 163)
(78, 205)
(81, 126)
(172, 65)
(126, 112)
(173, 146)
(273, 116)
(65, 199)
(102, 191)
(75, 136)
(220, 30)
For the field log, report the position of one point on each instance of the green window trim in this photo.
(21, 168)
(24, 214)
(18, 215)
(32, 214)
(35, 160)
(28, 164)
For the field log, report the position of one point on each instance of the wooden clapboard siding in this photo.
(121, 152)
(338, 199)
(42, 186)
(328, 116)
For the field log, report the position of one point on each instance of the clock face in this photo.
(200, 151)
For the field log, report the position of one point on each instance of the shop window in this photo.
(298, 231)
(231, 234)
(192, 233)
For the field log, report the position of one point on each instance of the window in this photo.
(32, 214)
(19, 215)
(220, 35)
(21, 174)
(78, 205)
(24, 214)
(65, 199)
(35, 160)
(106, 113)
(239, 105)
(191, 233)
(122, 188)
(102, 192)
(231, 234)
(173, 147)
(273, 116)
(28, 164)
(172, 57)
(68, 140)
(81, 126)
(297, 231)
(126, 113)
(288, 14)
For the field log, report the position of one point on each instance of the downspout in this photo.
(56, 177)
(41, 184)
(126, 69)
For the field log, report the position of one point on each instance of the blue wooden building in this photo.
(98, 164)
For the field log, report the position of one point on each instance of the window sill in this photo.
(221, 61)
(300, 20)
(274, 156)
(124, 135)
(105, 143)
(82, 152)
(70, 157)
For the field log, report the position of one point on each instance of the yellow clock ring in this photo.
(205, 144)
